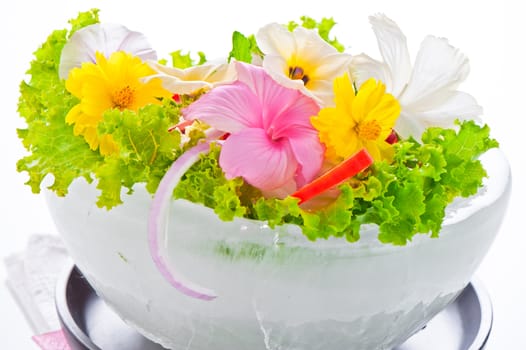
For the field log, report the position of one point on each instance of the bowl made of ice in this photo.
(277, 289)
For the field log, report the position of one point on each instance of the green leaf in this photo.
(43, 103)
(243, 47)
(109, 183)
(182, 61)
(205, 183)
(84, 19)
(146, 149)
(403, 198)
(324, 27)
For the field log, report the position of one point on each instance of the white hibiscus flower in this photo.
(427, 90)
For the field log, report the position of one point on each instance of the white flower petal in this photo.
(438, 66)
(393, 48)
(274, 66)
(305, 50)
(457, 105)
(426, 92)
(161, 68)
(212, 73)
(311, 47)
(106, 38)
(274, 39)
(189, 80)
(364, 67)
(332, 66)
(409, 124)
(451, 105)
(324, 93)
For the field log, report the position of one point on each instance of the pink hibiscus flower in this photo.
(272, 143)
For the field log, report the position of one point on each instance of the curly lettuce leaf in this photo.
(324, 27)
(243, 48)
(146, 150)
(205, 183)
(184, 60)
(44, 103)
(404, 198)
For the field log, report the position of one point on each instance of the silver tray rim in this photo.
(76, 336)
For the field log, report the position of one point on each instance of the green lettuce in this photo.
(405, 197)
(146, 150)
(44, 103)
(184, 60)
(243, 47)
(323, 27)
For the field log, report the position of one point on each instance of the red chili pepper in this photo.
(346, 169)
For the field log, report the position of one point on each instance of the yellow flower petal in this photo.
(116, 82)
(364, 119)
(107, 145)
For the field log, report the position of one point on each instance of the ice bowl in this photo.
(276, 289)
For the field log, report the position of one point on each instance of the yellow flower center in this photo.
(123, 98)
(297, 73)
(369, 130)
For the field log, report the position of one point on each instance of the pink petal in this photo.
(255, 78)
(290, 114)
(282, 108)
(273, 96)
(229, 108)
(262, 162)
(308, 152)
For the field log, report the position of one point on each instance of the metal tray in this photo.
(89, 324)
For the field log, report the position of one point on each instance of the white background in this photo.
(492, 34)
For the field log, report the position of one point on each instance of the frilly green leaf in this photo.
(405, 197)
(43, 103)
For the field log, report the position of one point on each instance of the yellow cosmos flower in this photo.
(111, 83)
(359, 120)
